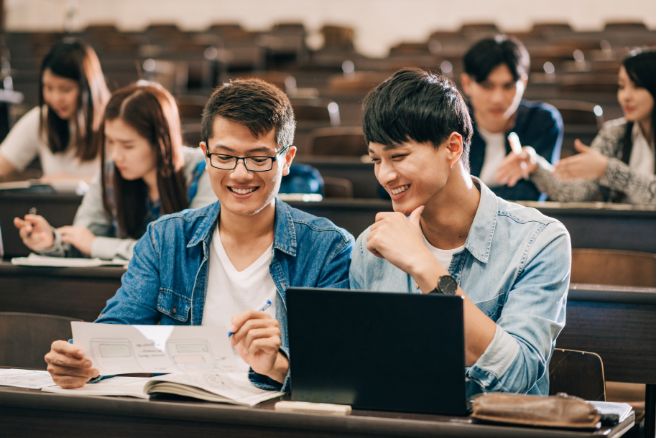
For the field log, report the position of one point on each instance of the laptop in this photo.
(58, 208)
(377, 350)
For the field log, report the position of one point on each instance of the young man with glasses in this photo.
(450, 234)
(220, 264)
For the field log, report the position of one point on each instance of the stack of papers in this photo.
(623, 410)
(65, 262)
(33, 379)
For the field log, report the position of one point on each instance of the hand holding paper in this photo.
(68, 365)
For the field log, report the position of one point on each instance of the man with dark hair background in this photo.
(450, 234)
(494, 79)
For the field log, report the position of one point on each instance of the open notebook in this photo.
(219, 387)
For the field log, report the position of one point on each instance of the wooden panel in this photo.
(619, 325)
(589, 225)
(74, 292)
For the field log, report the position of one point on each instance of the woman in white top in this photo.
(61, 129)
(150, 173)
(619, 166)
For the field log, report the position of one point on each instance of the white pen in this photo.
(262, 308)
(516, 148)
(514, 142)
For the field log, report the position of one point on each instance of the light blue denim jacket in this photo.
(167, 276)
(516, 267)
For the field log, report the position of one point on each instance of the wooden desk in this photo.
(591, 225)
(604, 225)
(46, 415)
(617, 323)
(594, 225)
(75, 292)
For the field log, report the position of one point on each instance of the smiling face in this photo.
(496, 99)
(60, 94)
(637, 102)
(131, 153)
(242, 192)
(412, 173)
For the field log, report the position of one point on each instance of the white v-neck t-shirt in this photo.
(493, 156)
(443, 256)
(231, 292)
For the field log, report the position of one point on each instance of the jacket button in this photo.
(174, 310)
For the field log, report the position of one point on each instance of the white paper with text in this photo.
(123, 349)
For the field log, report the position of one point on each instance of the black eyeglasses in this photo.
(255, 163)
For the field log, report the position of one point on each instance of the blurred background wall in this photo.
(378, 23)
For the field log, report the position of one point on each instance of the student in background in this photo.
(450, 234)
(619, 165)
(216, 265)
(61, 129)
(494, 80)
(150, 173)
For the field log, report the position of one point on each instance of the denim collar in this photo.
(285, 237)
(480, 237)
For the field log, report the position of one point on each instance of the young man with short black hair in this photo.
(451, 234)
(494, 79)
(217, 265)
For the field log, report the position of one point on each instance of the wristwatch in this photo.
(446, 286)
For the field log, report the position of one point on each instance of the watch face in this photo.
(447, 285)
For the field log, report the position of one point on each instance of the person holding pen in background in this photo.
(149, 173)
(216, 265)
(619, 166)
(494, 80)
(450, 234)
(61, 129)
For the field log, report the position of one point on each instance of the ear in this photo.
(288, 158)
(454, 146)
(466, 83)
(204, 147)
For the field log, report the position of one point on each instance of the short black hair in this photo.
(487, 54)
(640, 67)
(254, 103)
(416, 105)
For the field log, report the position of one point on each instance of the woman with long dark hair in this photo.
(149, 173)
(61, 129)
(619, 166)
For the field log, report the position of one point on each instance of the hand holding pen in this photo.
(516, 148)
(32, 211)
(256, 337)
(35, 231)
(517, 165)
(262, 308)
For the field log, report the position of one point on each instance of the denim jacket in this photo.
(515, 267)
(167, 276)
